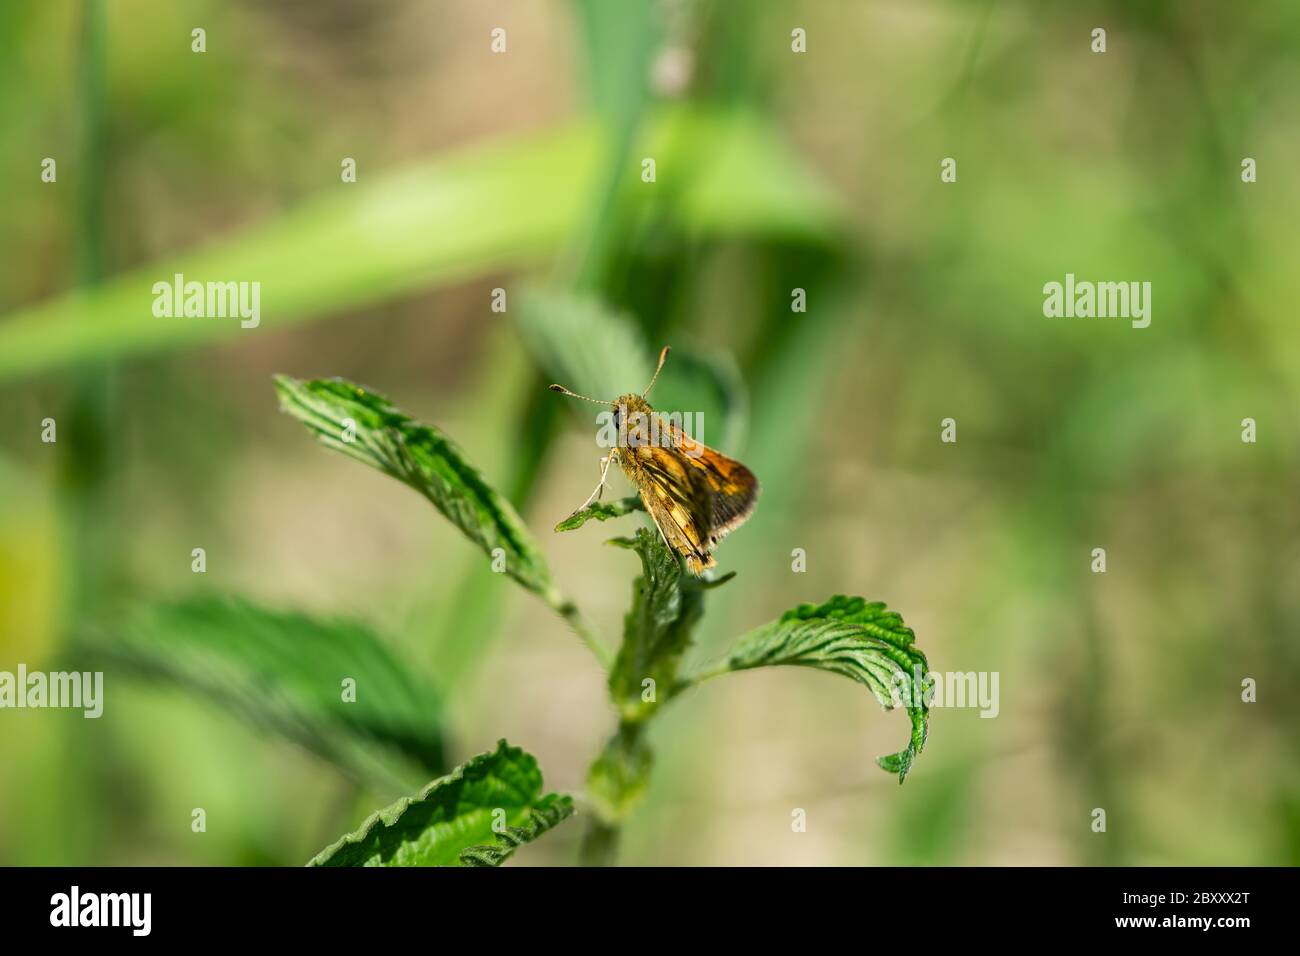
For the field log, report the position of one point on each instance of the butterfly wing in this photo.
(733, 489)
(696, 495)
(678, 499)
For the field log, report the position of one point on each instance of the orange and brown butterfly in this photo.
(695, 495)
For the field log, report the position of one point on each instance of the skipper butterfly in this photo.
(694, 494)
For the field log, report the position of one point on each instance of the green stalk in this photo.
(615, 784)
(84, 465)
(85, 468)
(599, 844)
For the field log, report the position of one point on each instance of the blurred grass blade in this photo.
(506, 203)
(739, 177)
(477, 815)
(860, 640)
(620, 43)
(367, 427)
(489, 207)
(580, 343)
(284, 671)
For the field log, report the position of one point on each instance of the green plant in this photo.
(480, 812)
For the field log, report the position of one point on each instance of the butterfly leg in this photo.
(658, 527)
(600, 486)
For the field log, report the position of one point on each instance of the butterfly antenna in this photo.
(662, 356)
(564, 391)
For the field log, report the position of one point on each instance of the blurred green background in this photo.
(775, 170)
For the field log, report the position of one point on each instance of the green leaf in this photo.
(367, 427)
(862, 641)
(667, 603)
(600, 511)
(284, 672)
(547, 813)
(450, 822)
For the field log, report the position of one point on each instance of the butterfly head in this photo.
(632, 419)
(629, 406)
(631, 411)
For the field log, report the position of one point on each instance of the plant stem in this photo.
(699, 677)
(601, 841)
(86, 462)
(615, 785)
(599, 844)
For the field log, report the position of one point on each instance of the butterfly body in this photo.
(694, 494)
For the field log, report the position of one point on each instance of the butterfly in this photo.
(694, 494)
